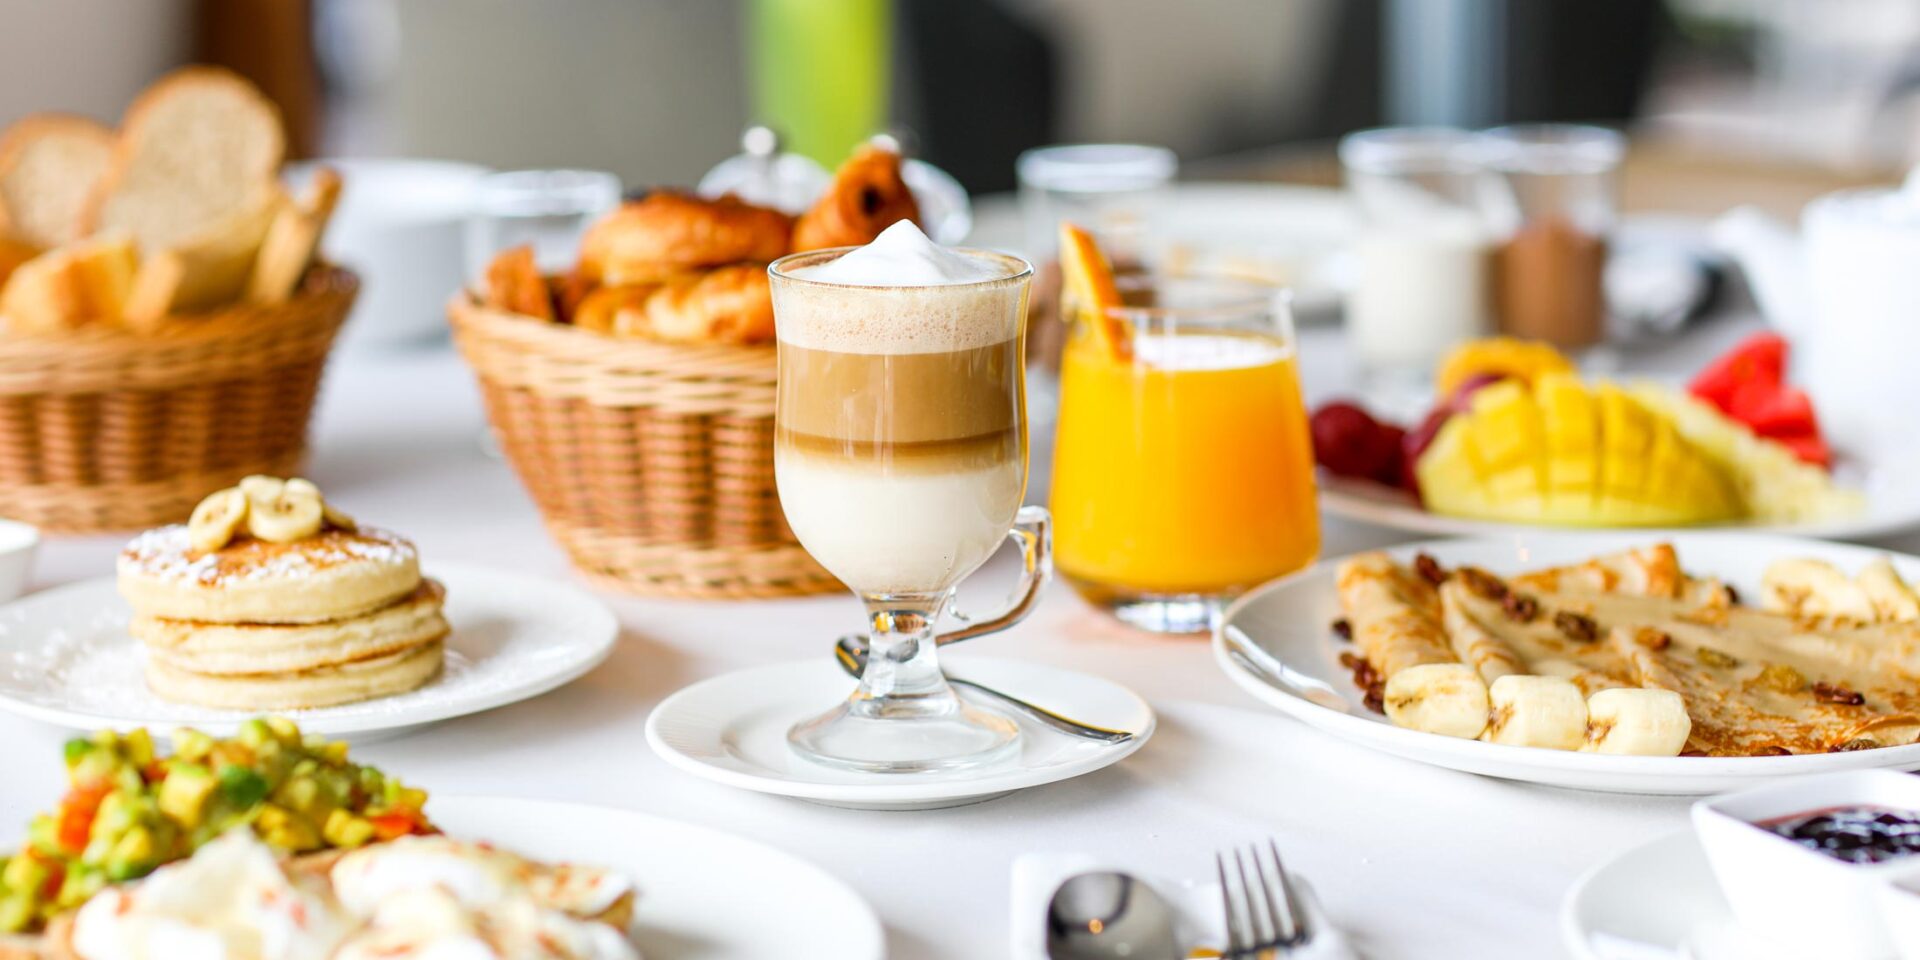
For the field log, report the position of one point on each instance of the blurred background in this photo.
(1766, 101)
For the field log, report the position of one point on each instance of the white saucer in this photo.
(732, 729)
(66, 659)
(1658, 900)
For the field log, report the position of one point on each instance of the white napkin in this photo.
(1037, 875)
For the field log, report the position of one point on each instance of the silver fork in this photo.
(1266, 919)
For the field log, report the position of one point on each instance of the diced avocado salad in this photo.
(128, 812)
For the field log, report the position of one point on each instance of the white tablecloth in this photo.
(1414, 861)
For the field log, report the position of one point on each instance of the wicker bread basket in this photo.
(652, 463)
(107, 430)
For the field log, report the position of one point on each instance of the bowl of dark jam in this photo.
(1804, 862)
(1863, 834)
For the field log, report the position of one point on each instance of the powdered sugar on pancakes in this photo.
(166, 553)
(332, 575)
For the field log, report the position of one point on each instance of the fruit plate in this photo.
(66, 658)
(702, 893)
(1290, 617)
(1890, 484)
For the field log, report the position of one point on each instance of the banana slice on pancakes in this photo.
(293, 515)
(333, 517)
(217, 518)
(1637, 721)
(1534, 711)
(1449, 699)
(267, 508)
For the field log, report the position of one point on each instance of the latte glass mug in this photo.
(900, 453)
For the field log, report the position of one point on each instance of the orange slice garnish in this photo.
(1087, 276)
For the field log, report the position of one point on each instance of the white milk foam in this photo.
(902, 256)
(909, 295)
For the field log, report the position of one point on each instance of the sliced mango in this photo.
(1563, 453)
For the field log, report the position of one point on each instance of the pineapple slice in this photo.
(1566, 454)
(1775, 485)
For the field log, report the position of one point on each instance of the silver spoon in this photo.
(1108, 916)
(851, 651)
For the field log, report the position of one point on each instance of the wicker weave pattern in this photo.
(652, 463)
(105, 430)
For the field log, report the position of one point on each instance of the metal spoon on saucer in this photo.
(851, 652)
(1109, 916)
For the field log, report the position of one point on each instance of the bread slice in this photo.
(207, 270)
(77, 285)
(292, 240)
(50, 164)
(195, 150)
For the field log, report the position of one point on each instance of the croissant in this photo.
(514, 284)
(730, 304)
(666, 233)
(866, 197)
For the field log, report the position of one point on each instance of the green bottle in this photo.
(821, 72)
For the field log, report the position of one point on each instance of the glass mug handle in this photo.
(1033, 531)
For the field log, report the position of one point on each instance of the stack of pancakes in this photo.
(335, 617)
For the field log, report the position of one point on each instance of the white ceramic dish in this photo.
(401, 225)
(19, 542)
(1290, 619)
(66, 658)
(703, 894)
(732, 729)
(1889, 479)
(1786, 893)
(1657, 902)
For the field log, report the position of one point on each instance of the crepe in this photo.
(1394, 612)
(1754, 682)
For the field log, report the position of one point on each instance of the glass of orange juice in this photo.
(1183, 469)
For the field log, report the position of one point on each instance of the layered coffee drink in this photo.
(900, 451)
(901, 445)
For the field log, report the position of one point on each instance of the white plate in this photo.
(732, 729)
(1889, 479)
(1299, 232)
(1290, 619)
(1658, 900)
(703, 894)
(66, 658)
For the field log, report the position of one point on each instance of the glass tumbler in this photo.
(1183, 469)
(1423, 252)
(1561, 199)
(547, 209)
(900, 453)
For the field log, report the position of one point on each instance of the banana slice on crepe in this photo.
(1449, 699)
(1637, 721)
(1532, 711)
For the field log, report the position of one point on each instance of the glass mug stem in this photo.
(904, 716)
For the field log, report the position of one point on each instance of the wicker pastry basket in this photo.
(107, 430)
(652, 463)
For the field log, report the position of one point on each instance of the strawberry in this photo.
(1761, 357)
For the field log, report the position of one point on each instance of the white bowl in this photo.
(1783, 891)
(1899, 902)
(18, 543)
(401, 225)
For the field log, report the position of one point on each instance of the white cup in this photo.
(401, 225)
(1863, 274)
